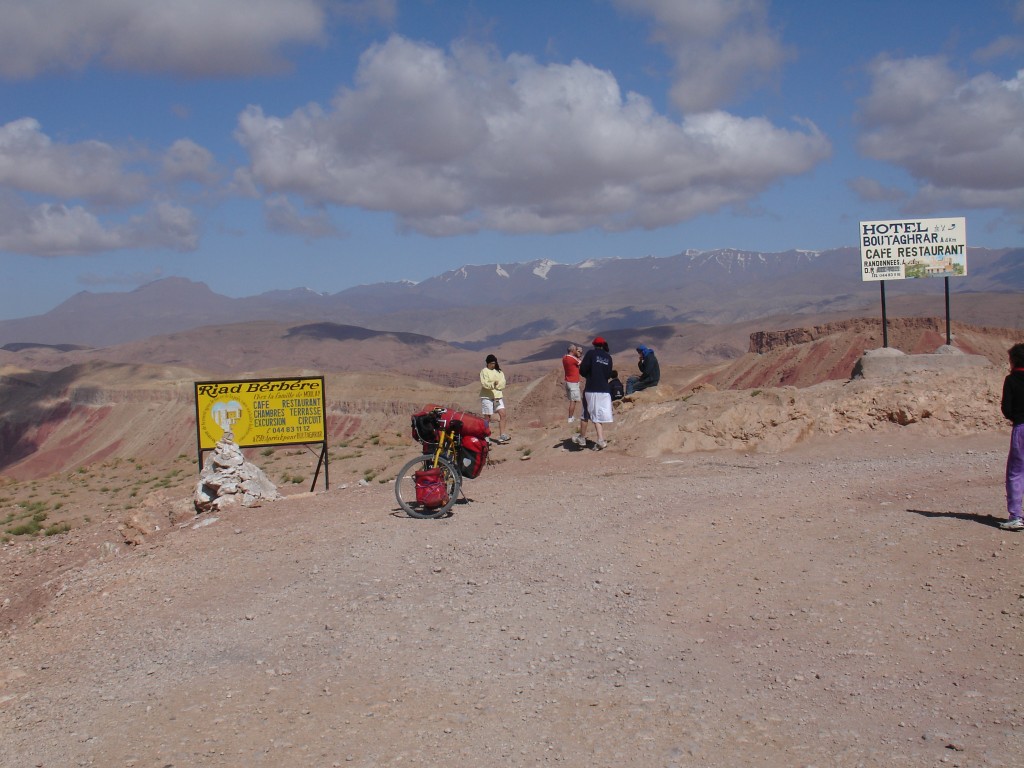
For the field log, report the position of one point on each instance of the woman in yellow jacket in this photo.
(492, 402)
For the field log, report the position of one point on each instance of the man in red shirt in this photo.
(571, 364)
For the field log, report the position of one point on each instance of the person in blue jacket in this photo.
(650, 371)
(596, 369)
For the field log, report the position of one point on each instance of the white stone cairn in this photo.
(228, 479)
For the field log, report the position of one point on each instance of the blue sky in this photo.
(262, 144)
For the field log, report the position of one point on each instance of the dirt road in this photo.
(849, 603)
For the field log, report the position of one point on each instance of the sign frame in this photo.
(888, 246)
(262, 413)
(931, 247)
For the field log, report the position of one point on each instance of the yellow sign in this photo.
(261, 411)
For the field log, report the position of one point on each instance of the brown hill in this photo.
(89, 412)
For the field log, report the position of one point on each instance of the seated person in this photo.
(615, 387)
(650, 371)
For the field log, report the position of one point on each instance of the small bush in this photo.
(30, 528)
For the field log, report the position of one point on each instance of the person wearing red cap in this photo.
(596, 369)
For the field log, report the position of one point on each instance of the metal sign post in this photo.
(885, 321)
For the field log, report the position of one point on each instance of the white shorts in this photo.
(599, 407)
(489, 407)
(572, 391)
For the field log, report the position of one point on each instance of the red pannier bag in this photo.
(473, 456)
(472, 425)
(425, 423)
(431, 489)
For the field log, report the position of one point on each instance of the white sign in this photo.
(905, 248)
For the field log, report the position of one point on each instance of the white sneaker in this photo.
(1013, 524)
(571, 419)
(580, 440)
(600, 445)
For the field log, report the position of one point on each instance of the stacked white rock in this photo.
(228, 479)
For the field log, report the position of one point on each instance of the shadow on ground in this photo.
(990, 520)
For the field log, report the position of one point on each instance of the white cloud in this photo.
(191, 37)
(961, 138)
(91, 170)
(61, 230)
(187, 161)
(721, 48)
(463, 142)
(93, 200)
(52, 230)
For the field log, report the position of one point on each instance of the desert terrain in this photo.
(771, 564)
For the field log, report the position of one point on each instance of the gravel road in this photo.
(846, 603)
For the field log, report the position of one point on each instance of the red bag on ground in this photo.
(431, 489)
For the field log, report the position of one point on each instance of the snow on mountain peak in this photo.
(543, 267)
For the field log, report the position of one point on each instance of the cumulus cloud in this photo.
(81, 181)
(961, 138)
(721, 48)
(54, 229)
(461, 141)
(31, 162)
(190, 37)
(188, 161)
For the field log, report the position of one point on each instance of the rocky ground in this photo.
(803, 577)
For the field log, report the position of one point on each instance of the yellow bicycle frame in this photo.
(445, 446)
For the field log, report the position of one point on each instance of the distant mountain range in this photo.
(476, 306)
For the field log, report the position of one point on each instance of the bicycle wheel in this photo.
(405, 486)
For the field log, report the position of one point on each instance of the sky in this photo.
(256, 145)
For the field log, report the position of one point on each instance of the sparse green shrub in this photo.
(53, 530)
(30, 528)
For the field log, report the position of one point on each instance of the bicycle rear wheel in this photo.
(405, 486)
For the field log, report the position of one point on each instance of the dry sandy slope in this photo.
(758, 577)
(845, 603)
